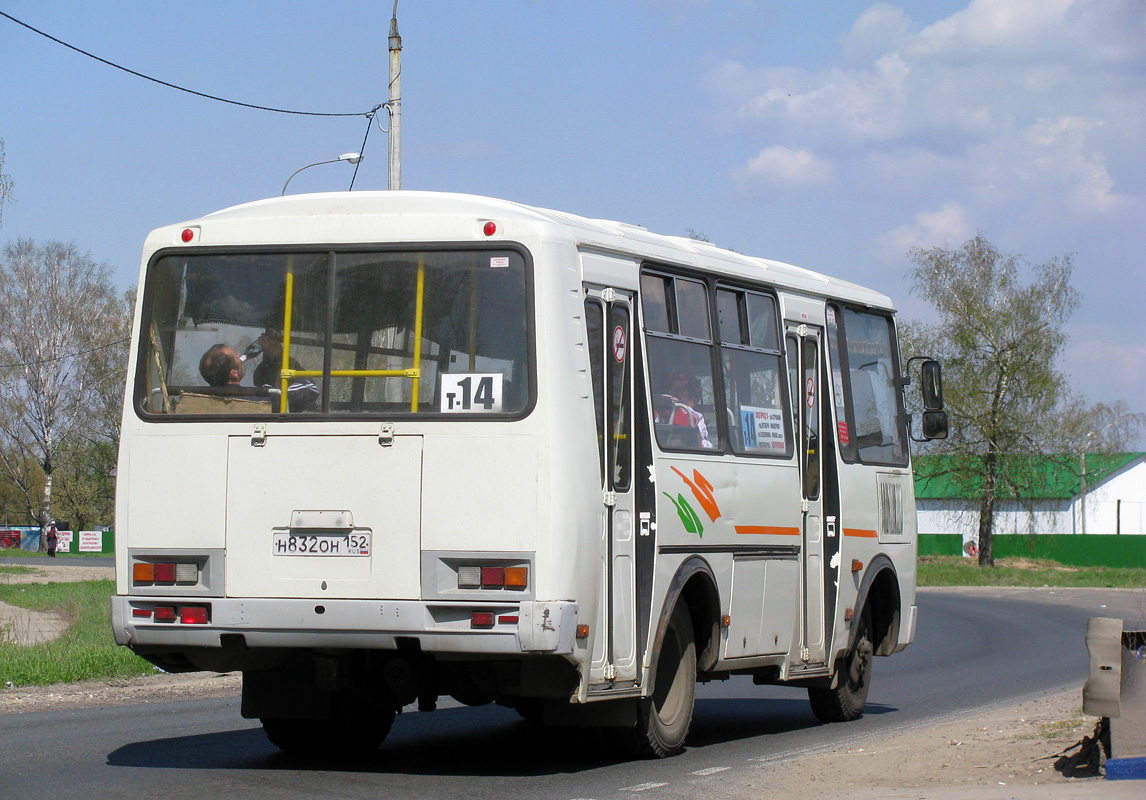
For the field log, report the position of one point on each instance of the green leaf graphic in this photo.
(688, 516)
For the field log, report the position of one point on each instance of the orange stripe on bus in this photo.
(861, 532)
(768, 530)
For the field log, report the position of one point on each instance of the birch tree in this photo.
(999, 336)
(59, 315)
(6, 195)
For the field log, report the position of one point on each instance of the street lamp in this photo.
(350, 158)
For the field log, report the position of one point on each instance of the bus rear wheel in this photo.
(355, 727)
(664, 718)
(845, 702)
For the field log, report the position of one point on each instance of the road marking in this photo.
(709, 771)
(640, 787)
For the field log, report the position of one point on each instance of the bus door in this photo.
(803, 353)
(608, 316)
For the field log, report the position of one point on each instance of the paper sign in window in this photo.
(471, 392)
(762, 429)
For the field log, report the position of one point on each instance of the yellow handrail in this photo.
(283, 376)
(354, 373)
(417, 370)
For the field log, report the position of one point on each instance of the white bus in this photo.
(382, 447)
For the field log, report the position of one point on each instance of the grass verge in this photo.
(960, 571)
(85, 651)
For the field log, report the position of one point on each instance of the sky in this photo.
(833, 135)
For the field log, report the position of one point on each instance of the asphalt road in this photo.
(975, 649)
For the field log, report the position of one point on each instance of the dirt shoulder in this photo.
(1006, 752)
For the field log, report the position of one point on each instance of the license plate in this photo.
(352, 544)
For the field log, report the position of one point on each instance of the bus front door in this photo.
(608, 316)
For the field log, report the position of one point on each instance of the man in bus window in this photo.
(221, 366)
(684, 391)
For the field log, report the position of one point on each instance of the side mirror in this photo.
(934, 424)
(934, 417)
(932, 388)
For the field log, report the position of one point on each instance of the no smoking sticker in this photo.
(619, 347)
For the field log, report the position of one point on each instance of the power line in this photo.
(368, 114)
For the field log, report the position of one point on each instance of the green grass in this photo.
(6, 569)
(959, 571)
(85, 651)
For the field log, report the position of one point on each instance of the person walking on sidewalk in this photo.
(53, 539)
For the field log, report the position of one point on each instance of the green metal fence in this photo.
(1091, 550)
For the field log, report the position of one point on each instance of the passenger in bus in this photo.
(684, 391)
(302, 393)
(221, 366)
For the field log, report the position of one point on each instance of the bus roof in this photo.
(364, 217)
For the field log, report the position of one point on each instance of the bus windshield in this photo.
(336, 332)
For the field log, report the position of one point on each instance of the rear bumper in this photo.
(539, 627)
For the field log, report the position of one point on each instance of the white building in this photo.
(1043, 497)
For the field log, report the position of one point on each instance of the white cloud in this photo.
(947, 227)
(882, 28)
(1103, 30)
(1019, 103)
(782, 166)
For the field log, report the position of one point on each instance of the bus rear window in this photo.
(332, 333)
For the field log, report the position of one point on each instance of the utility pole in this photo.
(395, 103)
(1082, 489)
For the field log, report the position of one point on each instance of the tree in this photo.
(999, 337)
(60, 323)
(85, 485)
(6, 195)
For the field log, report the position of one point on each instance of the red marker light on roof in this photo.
(187, 235)
(490, 228)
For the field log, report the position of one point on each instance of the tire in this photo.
(355, 727)
(845, 702)
(664, 718)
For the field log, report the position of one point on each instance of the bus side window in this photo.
(753, 375)
(595, 330)
(676, 318)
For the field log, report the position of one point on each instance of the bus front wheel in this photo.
(846, 700)
(664, 718)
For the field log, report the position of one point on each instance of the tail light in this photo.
(164, 573)
(193, 615)
(184, 615)
(472, 576)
